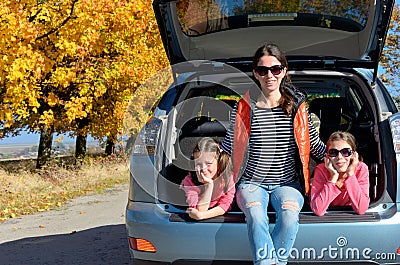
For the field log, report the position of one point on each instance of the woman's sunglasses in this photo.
(346, 152)
(263, 70)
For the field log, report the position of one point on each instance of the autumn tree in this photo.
(73, 65)
(391, 53)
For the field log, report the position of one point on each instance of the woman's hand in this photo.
(331, 169)
(195, 214)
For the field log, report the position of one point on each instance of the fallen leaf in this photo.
(82, 213)
(42, 226)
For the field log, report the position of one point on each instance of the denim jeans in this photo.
(287, 200)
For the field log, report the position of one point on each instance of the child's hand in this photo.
(353, 163)
(331, 169)
(203, 179)
(194, 213)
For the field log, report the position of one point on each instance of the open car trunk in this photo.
(338, 100)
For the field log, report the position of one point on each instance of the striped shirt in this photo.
(272, 146)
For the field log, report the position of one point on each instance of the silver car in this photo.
(333, 49)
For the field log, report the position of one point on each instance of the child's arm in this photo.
(224, 204)
(357, 186)
(200, 215)
(205, 197)
(323, 192)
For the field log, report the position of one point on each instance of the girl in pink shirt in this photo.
(211, 189)
(342, 179)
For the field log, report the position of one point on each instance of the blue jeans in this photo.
(287, 200)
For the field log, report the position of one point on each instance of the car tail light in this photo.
(147, 138)
(141, 244)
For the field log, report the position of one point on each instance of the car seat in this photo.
(330, 113)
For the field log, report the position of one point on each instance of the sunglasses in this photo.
(346, 152)
(263, 70)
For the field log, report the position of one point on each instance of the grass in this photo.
(26, 190)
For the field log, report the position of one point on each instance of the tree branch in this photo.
(62, 23)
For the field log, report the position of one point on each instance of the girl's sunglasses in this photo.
(346, 152)
(263, 70)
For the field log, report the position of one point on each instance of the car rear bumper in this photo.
(230, 262)
(320, 239)
(192, 262)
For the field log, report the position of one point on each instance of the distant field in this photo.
(12, 148)
(26, 150)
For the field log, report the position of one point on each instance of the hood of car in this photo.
(311, 33)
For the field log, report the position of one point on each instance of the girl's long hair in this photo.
(286, 101)
(224, 166)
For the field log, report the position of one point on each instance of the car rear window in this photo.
(202, 17)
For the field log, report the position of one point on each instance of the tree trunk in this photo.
(80, 146)
(110, 145)
(81, 139)
(45, 144)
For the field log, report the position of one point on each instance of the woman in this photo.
(342, 180)
(266, 141)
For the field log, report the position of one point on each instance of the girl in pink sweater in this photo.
(342, 180)
(211, 189)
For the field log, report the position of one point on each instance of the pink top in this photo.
(219, 197)
(355, 191)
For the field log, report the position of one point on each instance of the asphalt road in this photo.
(88, 230)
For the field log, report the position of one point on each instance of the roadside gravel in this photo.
(88, 230)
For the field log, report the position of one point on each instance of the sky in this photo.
(33, 138)
(24, 138)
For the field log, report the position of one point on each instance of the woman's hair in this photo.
(208, 144)
(270, 49)
(344, 136)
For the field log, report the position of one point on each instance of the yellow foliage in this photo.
(52, 99)
(47, 117)
(389, 59)
(64, 61)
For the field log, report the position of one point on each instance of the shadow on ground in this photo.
(100, 245)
